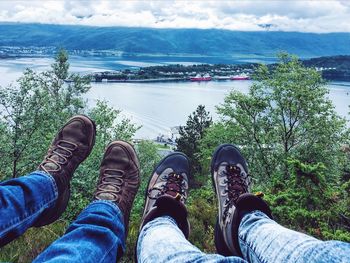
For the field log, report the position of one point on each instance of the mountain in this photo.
(174, 41)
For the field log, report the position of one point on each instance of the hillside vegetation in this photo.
(333, 68)
(174, 41)
(295, 143)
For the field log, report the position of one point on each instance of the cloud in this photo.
(285, 15)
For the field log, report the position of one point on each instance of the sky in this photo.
(320, 16)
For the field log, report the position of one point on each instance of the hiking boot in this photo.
(119, 178)
(167, 191)
(72, 145)
(232, 185)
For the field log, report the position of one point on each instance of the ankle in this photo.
(168, 206)
(247, 203)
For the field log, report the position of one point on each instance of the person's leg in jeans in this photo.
(99, 232)
(245, 226)
(165, 228)
(263, 240)
(41, 197)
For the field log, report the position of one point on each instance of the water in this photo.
(160, 106)
(155, 106)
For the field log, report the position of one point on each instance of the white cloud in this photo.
(286, 15)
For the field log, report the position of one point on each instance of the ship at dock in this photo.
(199, 77)
(240, 77)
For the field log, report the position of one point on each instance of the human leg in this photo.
(263, 240)
(99, 232)
(245, 226)
(22, 201)
(41, 197)
(97, 235)
(161, 240)
(164, 230)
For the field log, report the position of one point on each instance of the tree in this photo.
(286, 114)
(218, 133)
(190, 135)
(321, 209)
(25, 111)
(33, 110)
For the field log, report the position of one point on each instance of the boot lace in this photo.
(59, 156)
(110, 185)
(237, 184)
(174, 186)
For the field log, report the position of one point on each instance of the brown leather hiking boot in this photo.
(119, 177)
(231, 182)
(167, 191)
(72, 145)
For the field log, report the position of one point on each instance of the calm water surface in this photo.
(159, 106)
(155, 106)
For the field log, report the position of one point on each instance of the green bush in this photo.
(309, 203)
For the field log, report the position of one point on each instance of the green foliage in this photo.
(190, 136)
(286, 114)
(33, 110)
(27, 247)
(217, 134)
(310, 203)
(202, 210)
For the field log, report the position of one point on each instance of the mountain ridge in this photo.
(174, 41)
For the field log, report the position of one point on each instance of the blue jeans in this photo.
(260, 238)
(97, 235)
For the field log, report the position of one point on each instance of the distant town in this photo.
(332, 67)
(335, 68)
(30, 51)
(202, 72)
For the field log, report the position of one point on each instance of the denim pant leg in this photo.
(22, 201)
(161, 240)
(263, 240)
(97, 235)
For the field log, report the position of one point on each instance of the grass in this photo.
(32, 243)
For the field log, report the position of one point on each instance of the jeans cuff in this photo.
(52, 180)
(159, 220)
(254, 212)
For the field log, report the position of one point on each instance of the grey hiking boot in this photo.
(71, 146)
(167, 191)
(232, 185)
(119, 178)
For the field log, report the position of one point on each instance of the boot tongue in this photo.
(174, 189)
(51, 166)
(111, 185)
(106, 196)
